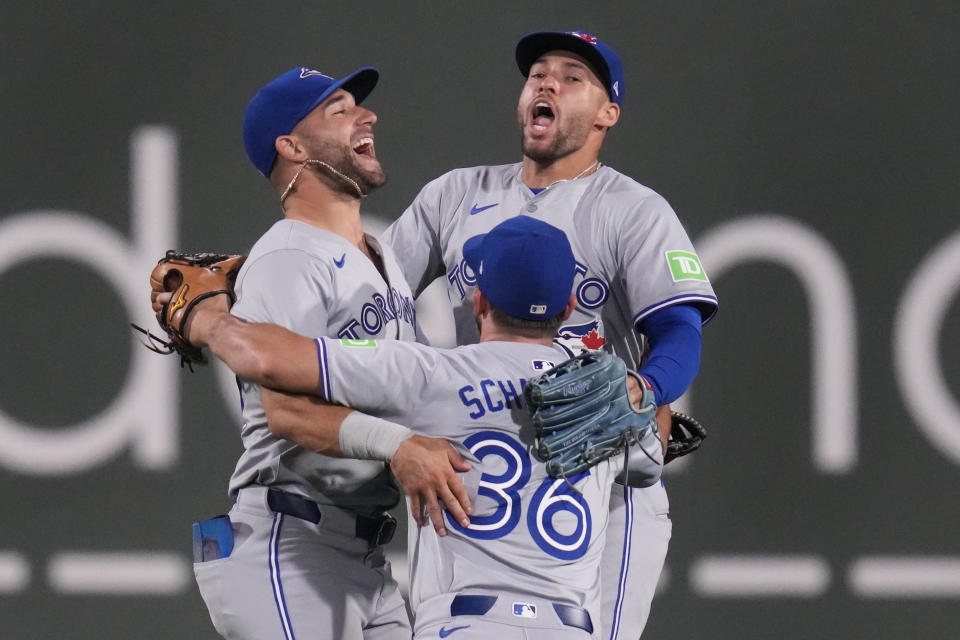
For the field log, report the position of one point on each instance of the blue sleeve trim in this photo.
(324, 370)
(706, 305)
(674, 334)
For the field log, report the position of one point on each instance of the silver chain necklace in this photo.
(596, 165)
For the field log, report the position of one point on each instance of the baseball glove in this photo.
(190, 278)
(686, 436)
(582, 413)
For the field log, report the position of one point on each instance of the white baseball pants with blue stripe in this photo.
(288, 578)
(638, 534)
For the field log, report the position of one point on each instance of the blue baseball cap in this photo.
(603, 59)
(524, 266)
(284, 101)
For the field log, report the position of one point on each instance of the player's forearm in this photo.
(263, 353)
(269, 355)
(663, 426)
(331, 429)
(305, 420)
(674, 334)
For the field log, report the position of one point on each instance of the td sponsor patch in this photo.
(685, 266)
(349, 342)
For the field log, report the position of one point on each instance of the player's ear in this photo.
(289, 147)
(571, 305)
(480, 304)
(608, 115)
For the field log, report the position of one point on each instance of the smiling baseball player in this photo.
(301, 552)
(527, 564)
(641, 290)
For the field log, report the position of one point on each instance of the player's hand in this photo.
(158, 299)
(427, 469)
(663, 411)
(635, 392)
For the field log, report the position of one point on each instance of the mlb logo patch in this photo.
(542, 365)
(524, 610)
(538, 309)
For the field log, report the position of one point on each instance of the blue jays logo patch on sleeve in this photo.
(589, 335)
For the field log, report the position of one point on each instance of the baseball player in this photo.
(527, 564)
(300, 554)
(641, 290)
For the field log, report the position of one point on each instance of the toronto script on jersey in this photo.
(377, 313)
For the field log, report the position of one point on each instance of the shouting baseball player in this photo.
(527, 564)
(300, 554)
(641, 290)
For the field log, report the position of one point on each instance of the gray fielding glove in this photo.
(582, 413)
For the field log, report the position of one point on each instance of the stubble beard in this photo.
(565, 141)
(341, 158)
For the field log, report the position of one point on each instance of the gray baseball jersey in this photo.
(633, 258)
(530, 534)
(316, 283)
(285, 575)
(633, 255)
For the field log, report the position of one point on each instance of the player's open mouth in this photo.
(541, 116)
(364, 147)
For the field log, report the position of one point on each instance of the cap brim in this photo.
(533, 45)
(359, 83)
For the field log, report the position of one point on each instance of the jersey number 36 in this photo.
(551, 499)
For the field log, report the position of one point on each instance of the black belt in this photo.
(376, 530)
(480, 605)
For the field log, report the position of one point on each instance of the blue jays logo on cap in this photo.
(306, 73)
(603, 59)
(585, 36)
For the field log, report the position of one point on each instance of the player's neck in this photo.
(490, 331)
(578, 164)
(506, 336)
(335, 212)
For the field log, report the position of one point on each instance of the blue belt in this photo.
(479, 605)
(377, 530)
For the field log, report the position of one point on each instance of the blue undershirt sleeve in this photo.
(675, 340)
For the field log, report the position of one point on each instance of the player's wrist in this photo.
(645, 396)
(366, 437)
(205, 319)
